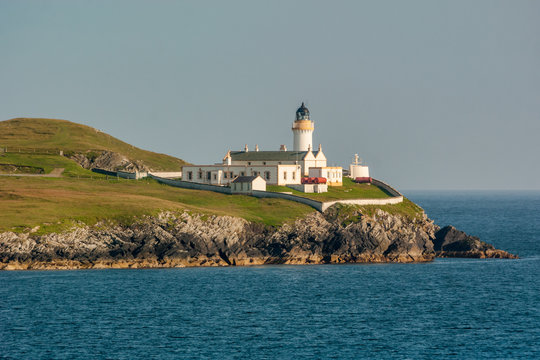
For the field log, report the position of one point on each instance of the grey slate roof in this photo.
(269, 155)
(244, 179)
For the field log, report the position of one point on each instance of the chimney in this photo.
(283, 148)
(256, 147)
(227, 159)
(246, 148)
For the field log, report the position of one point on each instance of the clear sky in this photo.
(430, 94)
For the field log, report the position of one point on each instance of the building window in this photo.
(249, 162)
(264, 162)
(284, 175)
(242, 173)
(208, 175)
(215, 177)
(190, 175)
(267, 175)
(293, 175)
(200, 174)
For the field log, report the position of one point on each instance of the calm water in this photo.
(448, 308)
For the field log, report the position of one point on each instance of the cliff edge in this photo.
(340, 235)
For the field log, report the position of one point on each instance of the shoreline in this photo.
(341, 236)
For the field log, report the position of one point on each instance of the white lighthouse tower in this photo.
(302, 130)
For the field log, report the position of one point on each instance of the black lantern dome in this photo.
(302, 113)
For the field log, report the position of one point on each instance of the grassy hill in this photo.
(80, 196)
(51, 134)
(56, 204)
(15, 163)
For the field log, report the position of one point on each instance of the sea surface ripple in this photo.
(450, 308)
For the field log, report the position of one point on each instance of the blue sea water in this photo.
(450, 308)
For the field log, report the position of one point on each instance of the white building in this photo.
(333, 174)
(275, 167)
(305, 159)
(357, 170)
(224, 174)
(310, 188)
(247, 184)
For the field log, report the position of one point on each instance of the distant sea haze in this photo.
(450, 308)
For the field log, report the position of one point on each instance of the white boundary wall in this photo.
(192, 185)
(167, 174)
(317, 205)
(388, 201)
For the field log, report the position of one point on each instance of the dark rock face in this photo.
(451, 242)
(178, 240)
(108, 160)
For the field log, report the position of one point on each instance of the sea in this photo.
(449, 308)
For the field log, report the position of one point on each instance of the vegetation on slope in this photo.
(41, 164)
(56, 204)
(347, 214)
(51, 134)
(349, 190)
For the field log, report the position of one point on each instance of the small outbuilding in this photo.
(333, 175)
(246, 184)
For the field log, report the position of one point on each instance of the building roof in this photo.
(244, 179)
(269, 155)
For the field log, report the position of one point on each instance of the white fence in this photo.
(318, 205)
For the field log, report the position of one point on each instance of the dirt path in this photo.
(56, 172)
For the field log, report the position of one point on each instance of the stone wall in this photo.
(267, 194)
(386, 187)
(192, 185)
(387, 201)
(317, 205)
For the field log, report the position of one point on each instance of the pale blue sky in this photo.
(431, 94)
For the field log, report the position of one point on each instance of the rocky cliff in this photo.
(107, 160)
(178, 240)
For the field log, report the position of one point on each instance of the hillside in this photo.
(54, 204)
(82, 143)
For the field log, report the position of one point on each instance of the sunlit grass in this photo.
(55, 204)
(67, 136)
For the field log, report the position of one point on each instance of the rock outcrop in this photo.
(107, 160)
(451, 242)
(178, 240)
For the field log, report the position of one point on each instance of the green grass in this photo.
(47, 134)
(346, 214)
(407, 208)
(349, 190)
(56, 204)
(47, 163)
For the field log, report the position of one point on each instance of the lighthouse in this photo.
(302, 130)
